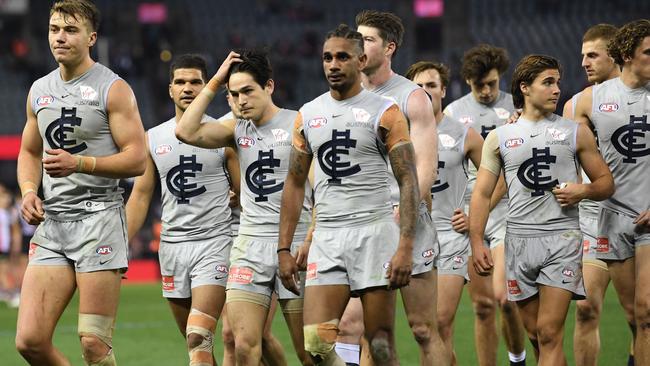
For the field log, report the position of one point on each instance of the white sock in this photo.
(348, 352)
(517, 358)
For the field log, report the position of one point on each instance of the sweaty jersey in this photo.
(449, 189)
(264, 162)
(194, 186)
(537, 157)
(482, 118)
(350, 174)
(72, 116)
(398, 89)
(620, 117)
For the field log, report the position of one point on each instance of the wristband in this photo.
(282, 250)
(82, 164)
(27, 187)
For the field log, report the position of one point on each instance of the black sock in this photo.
(630, 360)
(518, 363)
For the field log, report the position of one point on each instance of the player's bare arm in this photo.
(293, 195)
(602, 182)
(567, 111)
(424, 137)
(232, 166)
(473, 146)
(29, 169)
(394, 131)
(583, 107)
(303, 250)
(140, 198)
(208, 135)
(486, 182)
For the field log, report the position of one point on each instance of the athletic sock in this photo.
(630, 360)
(349, 353)
(517, 359)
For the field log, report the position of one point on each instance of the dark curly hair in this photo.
(421, 66)
(526, 71)
(479, 60)
(627, 39)
(344, 31)
(189, 61)
(255, 62)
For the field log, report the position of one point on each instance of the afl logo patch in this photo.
(44, 100)
(427, 253)
(163, 149)
(104, 249)
(245, 142)
(318, 122)
(512, 143)
(608, 107)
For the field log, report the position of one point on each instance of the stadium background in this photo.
(137, 39)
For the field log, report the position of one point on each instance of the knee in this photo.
(484, 308)
(228, 338)
(93, 348)
(586, 312)
(421, 332)
(350, 326)
(508, 308)
(194, 340)
(549, 335)
(320, 339)
(445, 324)
(96, 337)
(642, 314)
(245, 345)
(380, 346)
(29, 346)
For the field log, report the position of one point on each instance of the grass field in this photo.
(146, 334)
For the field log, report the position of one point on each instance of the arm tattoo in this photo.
(402, 160)
(299, 164)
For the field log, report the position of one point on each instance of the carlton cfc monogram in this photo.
(330, 161)
(177, 182)
(256, 176)
(530, 173)
(56, 132)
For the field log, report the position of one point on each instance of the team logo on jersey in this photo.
(512, 143)
(163, 149)
(513, 287)
(256, 176)
(245, 142)
(531, 172)
(56, 133)
(608, 107)
(446, 140)
(631, 140)
(438, 186)
(280, 134)
(502, 113)
(361, 115)
(485, 130)
(87, 93)
(104, 250)
(330, 156)
(178, 179)
(44, 100)
(557, 134)
(317, 122)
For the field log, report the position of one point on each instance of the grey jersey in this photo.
(72, 116)
(350, 174)
(587, 207)
(398, 89)
(448, 191)
(264, 162)
(482, 118)
(194, 186)
(620, 117)
(537, 156)
(235, 211)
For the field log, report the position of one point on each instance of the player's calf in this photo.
(96, 337)
(200, 337)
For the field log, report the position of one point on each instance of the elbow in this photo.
(611, 188)
(180, 135)
(139, 165)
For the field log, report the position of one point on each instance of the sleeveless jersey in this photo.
(587, 207)
(235, 211)
(351, 175)
(72, 116)
(482, 118)
(620, 117)
(449, 189)
(398, 89)
(264, 162)
(537, 156)
(194, 186)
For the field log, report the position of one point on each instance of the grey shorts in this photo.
(356, 256)
(95, 243)
(495, 229)
(454, 250)
(254, 266)
(554, 260)
(195, 263)
(589, 228)
(618, 236)
(425, 244)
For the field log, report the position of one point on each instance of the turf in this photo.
(146, 334)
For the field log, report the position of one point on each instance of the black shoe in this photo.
(519, 363)
(630, 360)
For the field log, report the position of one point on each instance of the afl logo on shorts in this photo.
(568, 272)
(163, 149)
(318, 122)
(245, 142)
(104, 249)
(608, 107)
(427, 253)
(222, 272)
(512, 143)
(44, 100)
